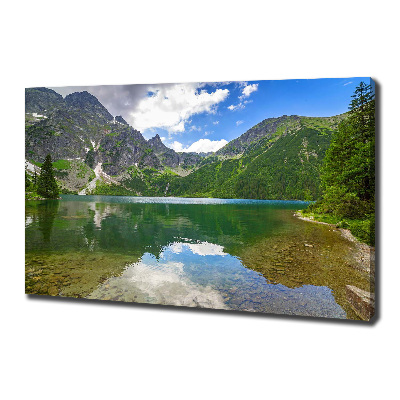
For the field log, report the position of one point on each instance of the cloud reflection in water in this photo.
(203, 275)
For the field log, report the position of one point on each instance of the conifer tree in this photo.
(349, 170)
(47, 185)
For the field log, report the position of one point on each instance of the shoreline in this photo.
(42, 198)
(362, 302)
(365, 254)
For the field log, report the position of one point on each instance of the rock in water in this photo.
(361, 301)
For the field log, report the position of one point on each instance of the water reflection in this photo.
(44, 214)
(125, 226)
(252, 256)
(202, 249)
(203, 275)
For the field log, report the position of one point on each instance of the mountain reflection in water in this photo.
(221, 254)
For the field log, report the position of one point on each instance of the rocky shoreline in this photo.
(364, 257)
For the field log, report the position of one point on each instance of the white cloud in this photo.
(248, 90)
(179, 127)
(239, 106)
(177, 146)
(347, 83)
(195, 128)
(206, 133)
(201, 146)
(216, 122)
(239, 123)
(171, 106)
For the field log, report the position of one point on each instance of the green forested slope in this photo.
(288, 169)
(284, 167)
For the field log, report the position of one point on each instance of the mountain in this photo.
(172, 159)
(279, 158)
(120, 120)
(266, 128)
(276, 127)
(166, 155)
(66, 128)
(40, 100)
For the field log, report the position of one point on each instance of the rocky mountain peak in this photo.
(79, 99)
(86, 101)
(119, 119)
(41, 100)
(156, 143)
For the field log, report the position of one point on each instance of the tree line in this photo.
(348, 172)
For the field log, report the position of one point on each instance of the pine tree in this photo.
(47, 185)
(348, 177)
(362, 117)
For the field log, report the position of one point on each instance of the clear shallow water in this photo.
(244, 255)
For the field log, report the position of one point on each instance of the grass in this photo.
(37, 163)
(362, 229)
(32, 196)
(62, 164)
(113, 134)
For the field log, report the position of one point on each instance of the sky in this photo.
(203, 117)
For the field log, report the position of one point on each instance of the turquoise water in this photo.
(243, 255)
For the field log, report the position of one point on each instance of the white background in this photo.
(54, 349)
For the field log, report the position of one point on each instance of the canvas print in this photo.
(253, 196)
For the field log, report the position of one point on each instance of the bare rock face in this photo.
(157, 145)
(65, 128)
(124, 147)
(86, 102)
(361, 301)
(42, 100)
(169, 157)
(119, 119)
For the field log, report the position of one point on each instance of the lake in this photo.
(246, 255)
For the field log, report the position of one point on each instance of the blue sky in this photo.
(205, 116)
